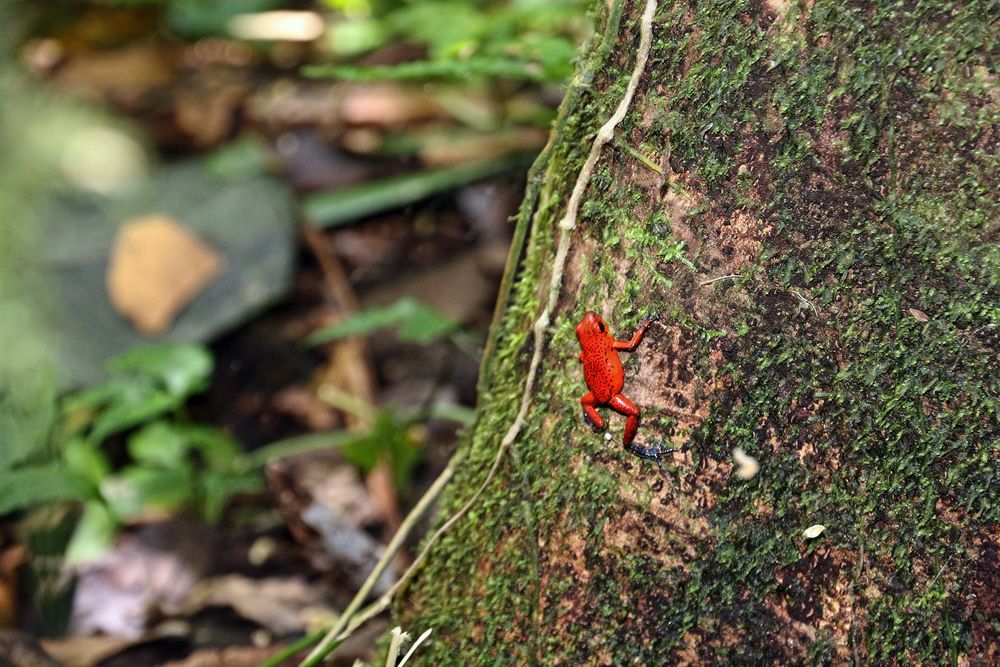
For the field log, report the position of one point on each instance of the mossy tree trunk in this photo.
(822, 246)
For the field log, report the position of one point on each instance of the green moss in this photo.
(866, 134)
(902, 414)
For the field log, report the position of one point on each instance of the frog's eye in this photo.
(600, 326)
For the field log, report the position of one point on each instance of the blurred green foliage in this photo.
(124, 448)
(416, 322)
(205, 18)
(171, 464)
(27, 371)
(390, 438)
(533, 40)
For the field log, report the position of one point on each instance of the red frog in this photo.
(602, 369)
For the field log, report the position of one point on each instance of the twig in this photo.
(395, 644)
(625, 146)
(348, 373)
(804, 303)
(416, 644)
(334, 633)
(715, 280)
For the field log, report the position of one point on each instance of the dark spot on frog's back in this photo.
(602, 378)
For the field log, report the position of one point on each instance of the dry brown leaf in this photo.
(386, 104)
(20, 649)
(919, 315)
(147, 573)
(122, 76)
(283, 606)
(86, 650)
(10, 560)
(206, 107)
(233, 656)
(302, 404)
(456, 288)
(445, 151)
(157, 267)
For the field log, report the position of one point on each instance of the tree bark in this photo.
(822, 246)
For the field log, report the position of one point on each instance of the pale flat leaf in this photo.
(747, 466)
(813, 531)
(157, 267)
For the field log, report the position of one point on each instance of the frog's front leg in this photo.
(588, 401)
(636, 337)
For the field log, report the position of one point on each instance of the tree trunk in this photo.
(822, 247)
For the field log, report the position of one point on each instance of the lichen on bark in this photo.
(839, 161)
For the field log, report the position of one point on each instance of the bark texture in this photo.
(838, 162)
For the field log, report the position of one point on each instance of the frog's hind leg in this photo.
(588, 401)
(627, 407)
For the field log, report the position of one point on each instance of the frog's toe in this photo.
(653, 453)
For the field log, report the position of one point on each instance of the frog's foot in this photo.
(590, 415)
(653, 453)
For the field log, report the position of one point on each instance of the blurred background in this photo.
(249, 251)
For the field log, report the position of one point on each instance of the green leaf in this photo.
(159, 444)
(362, 451)
(218, 488)
(239, 159)
(121, 496)
(327, 209)
(388, 440)
(210, 18)
(97, 396)
(453, 412)
(170, 490)
(132, 410)
(85, 458)
(451, 70)
(139, 490)
(27, 389)
(28, 486)
(417, 322)
(219, 450)
(181, 369)
(356, 36)
(93, 535)
(302, 444)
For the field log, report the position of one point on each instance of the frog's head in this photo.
(591, 327)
